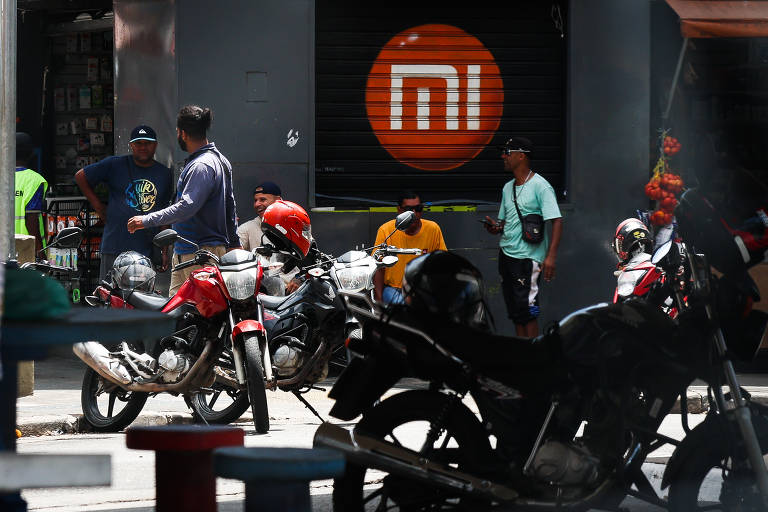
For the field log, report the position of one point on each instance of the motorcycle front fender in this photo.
(248, 326)
(713, 429)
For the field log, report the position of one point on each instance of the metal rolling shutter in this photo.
(351, 162)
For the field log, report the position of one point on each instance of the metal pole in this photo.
(7, 127)
(674, 81)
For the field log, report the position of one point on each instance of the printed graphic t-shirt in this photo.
(133, 190)
(428, 239)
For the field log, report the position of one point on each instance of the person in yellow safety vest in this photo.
(30, 194)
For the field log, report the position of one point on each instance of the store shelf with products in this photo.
(65, 211)
(82, 103)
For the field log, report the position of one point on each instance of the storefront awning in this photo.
(722, 18)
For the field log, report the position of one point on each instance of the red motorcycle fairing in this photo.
(645, 274)
(115, 301)
(205, 290)
(248, 326)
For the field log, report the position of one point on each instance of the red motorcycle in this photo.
(638, 274)
(216, 351)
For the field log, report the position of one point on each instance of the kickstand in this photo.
(308, 405)
(193, 405)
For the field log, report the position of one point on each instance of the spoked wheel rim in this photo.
(715, 484)
(387, 492)
(224, 404)
(108, 407)
(406, 421)
(726, 489)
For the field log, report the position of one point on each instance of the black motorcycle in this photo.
(617, 368)
(307, 329)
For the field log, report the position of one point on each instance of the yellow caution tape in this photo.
(393, 209)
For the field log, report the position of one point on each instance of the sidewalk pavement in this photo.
(55, 408)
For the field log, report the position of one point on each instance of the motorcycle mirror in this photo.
(388, 260)
(165, 238)
(404, 220)
(660, 252)
(68, 238)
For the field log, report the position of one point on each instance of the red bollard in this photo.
(184, 478)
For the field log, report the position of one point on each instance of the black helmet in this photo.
(631, 235)
(133, 271)
(446, 285)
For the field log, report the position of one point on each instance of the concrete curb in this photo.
(54, 425)
(75, 424)
(699, 403)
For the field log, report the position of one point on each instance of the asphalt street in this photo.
(57, 396)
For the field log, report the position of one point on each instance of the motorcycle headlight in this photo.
(628, 280)
(352, 279)
(241, 284)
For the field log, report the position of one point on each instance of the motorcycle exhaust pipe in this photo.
(376, 454)
(96, 355)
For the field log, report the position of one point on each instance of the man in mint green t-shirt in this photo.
(521, 264)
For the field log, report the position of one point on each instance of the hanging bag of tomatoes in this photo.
(664, 186)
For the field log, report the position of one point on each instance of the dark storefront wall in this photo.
(523, 42)
(252, 63)
(606, 158)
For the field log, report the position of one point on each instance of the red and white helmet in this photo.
(287, 226)
(630, 235)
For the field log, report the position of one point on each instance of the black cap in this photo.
(517, 144)
(143, 132)
(267, 188)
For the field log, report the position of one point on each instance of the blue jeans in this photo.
(392, 295)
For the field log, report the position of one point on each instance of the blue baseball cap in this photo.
(143, 132)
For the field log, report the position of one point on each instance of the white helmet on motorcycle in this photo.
(631, 235)
(444, 285)
(133, 271)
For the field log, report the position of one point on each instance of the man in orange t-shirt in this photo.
(422, 234)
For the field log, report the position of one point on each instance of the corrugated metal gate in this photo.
(432, 106)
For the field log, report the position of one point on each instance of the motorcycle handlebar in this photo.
(201, 257)
(397, 250)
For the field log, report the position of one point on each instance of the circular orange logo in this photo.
(434, 97)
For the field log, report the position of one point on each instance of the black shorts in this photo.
(520, 286)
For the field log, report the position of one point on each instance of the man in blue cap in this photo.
(137, 185)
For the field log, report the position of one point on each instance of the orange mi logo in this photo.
(434, 97)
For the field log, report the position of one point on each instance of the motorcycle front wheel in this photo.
(405, 420)
(106, 406)
(709, 480)
(256, 391)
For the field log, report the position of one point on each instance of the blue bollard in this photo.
(277, 479)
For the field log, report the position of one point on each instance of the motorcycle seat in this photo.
(271, 301)
(522, 362)
(145, 301)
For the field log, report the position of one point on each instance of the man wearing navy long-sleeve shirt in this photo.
(204, 211)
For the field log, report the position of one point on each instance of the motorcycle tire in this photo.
(738, 490)
(203, 405)
(459, 424)
(257, 393)
(108, 421)
(235, 401)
